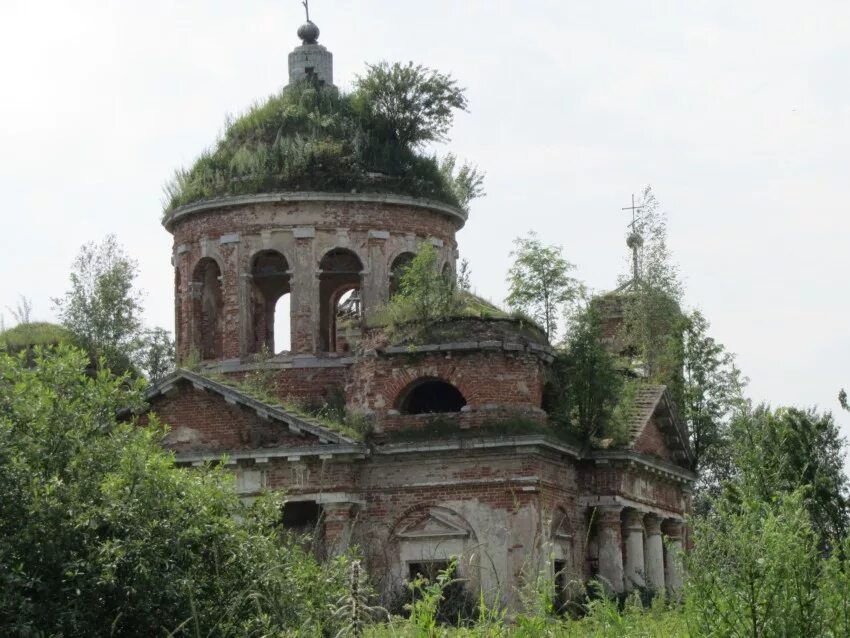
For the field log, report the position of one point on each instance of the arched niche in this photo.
(270, 293)
(207, 310)
(430, 396)
(397, 268)
(339, 299)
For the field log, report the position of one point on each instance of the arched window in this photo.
(430, 396)
(208, 302)
(397, 269)
(339, 300)
(270, 293)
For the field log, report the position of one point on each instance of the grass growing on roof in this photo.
(311, 137)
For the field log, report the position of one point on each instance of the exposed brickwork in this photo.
(204, 422)
(651, 441)
(503, 505)
(484, 378)
(302, 232)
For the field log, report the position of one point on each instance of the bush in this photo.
(101, 534)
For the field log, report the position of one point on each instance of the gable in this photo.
(651, 441)
(203, 421)
(655, 428)
(431, 525)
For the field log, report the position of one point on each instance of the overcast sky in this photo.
(737, 113)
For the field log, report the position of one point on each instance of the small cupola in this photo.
(311, 59)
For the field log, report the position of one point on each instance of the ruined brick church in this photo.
(436, 476)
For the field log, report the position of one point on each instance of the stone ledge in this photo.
(312, 196)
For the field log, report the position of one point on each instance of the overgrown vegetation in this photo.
(101, 534)
(103, 308)
(315, 137)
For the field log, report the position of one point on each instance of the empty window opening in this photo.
(207, 310)
(432, 396)
(428, 569)
(301, 517)
(399, 265)
(270, 292)
(340, 309)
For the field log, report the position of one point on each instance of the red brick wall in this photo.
(202, 421)
(650, 441)
(484, 378)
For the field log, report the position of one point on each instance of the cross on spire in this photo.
(634, 209)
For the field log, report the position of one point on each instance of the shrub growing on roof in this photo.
(311, 137)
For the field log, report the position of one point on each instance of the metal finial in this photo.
(306, 4)
(634, 240)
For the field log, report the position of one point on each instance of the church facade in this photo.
(441, 472)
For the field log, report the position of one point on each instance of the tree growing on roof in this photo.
(539, 282)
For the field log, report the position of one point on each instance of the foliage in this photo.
(101, 534)
(466, 182)
(155, 356)
(353, 608)
(712, 394)
(653, 317)
(415, 102)
(34, 334)
(313, 137)
(754, 569)
(539, 283)
(425, 293)
(102, 308)
(585, 385)
(787, 450)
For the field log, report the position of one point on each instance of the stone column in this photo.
(376, 282)
(653, 552)
(304, 306)
(673, 570)
(338, 518)
(608, 528)
(633, 542)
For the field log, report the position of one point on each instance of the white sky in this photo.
(738, 114)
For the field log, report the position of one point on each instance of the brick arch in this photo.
(208, 308)
(450, 396)
(341, 269)
(408, 375)
(270, 281)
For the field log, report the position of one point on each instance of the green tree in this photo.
(754, 569)
(416, 102)
(788, 449)
(155, 355)
(101, 534)
(539, 282)
(425, 293)
(103, 308)
(586, 384)
(467, 182)
(653, 318)
(712, 393)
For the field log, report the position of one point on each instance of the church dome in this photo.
(308, 32)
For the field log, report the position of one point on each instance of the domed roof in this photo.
(309, 32)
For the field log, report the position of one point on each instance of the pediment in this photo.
(432, 525)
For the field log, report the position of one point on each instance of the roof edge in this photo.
(234, 395)
(312, 196)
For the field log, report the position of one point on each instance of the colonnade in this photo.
(632, 551)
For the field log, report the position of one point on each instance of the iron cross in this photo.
(634, 209)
